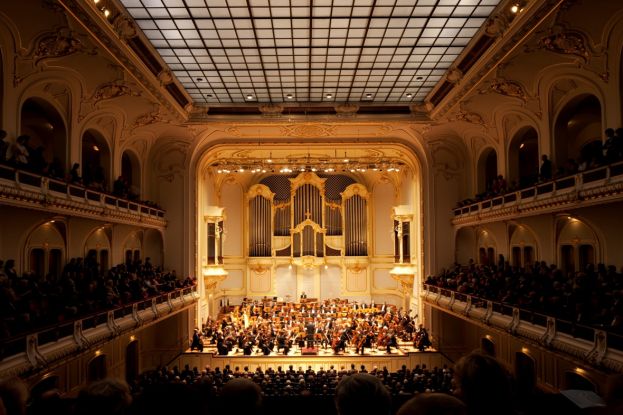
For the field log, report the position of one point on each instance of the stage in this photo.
(324, 359)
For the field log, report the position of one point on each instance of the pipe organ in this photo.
(308, 217)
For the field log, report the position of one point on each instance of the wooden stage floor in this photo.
(325, 358)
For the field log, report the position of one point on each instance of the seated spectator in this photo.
(4, 146)
(545, 172)
(13, 394)
(104, 397)
(242, 396)
(74, 174)
(362, 393)
(484, 384)
(19, 152)
(433, 404)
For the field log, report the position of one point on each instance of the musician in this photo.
(197, 342)
(422, 340)
(392, 342)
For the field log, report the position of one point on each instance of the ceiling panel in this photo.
(236, 51)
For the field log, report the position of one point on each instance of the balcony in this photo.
(598, 347)
(596, 186)
(30, 351)
(29, 190)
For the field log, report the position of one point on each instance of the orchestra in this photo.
(267, 326)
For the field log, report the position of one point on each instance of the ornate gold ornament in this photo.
(566, 43)
(62, 42)
(125, 27)
(112, 90)
(507, 88)
(346, 110)
(308, 130)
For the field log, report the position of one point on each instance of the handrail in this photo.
(54, 332)
(89, 195)
(577, 181)
(578, 330)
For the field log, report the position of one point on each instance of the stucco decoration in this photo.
(271, 111)
(124, 26)
(425, 107)
(172, 160)
(470, 117)
(61, 94)
(507, 88)
(56, 44)
(566, 43)
(148, 118)
(111, 90)
(346, 110)
(496, 25)
(446, 161)
(454, 75)
(308, 130)
(165, 77)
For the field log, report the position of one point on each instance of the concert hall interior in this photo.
(293, 192)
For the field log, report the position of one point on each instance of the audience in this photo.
(30, 301)
(591, 156)
(592, 296)
(104, 397)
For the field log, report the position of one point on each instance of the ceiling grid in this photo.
(273, 51)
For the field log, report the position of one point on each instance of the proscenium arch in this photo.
(207, 152)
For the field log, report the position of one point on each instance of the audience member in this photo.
(241, 396)
(484, 385)
(104, 397)
(433, 404)
(362, 393)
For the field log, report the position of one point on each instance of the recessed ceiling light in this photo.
(329, 96)
(419, 78)
(209, 95)
(199, 79)
(514, 8)
(249, 97)
(409, 95)
(289, 96)
(369, 96)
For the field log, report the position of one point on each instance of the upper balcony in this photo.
(29, 190)
(601, 347)
(599, 185)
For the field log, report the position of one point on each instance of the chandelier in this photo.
(310, 163)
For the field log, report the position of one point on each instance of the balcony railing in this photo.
(601, 346)
(23, 351)
(579, 182)
(43, 187)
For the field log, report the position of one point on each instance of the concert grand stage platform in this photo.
(393, 362)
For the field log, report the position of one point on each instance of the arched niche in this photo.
(523, 246)
(487, 345)
(48, 382)
(45, 249)
(578, 381)
(96, 368)
(487, 247)
(97, 248)
(48, 135)
(523, 157)
(577, 244)
(153, 247)
(132, 248)
(525, 373)
(577, 129)
(487, 170)
(131, 172)
(95, 160)
(132, 362)
(465, 243)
